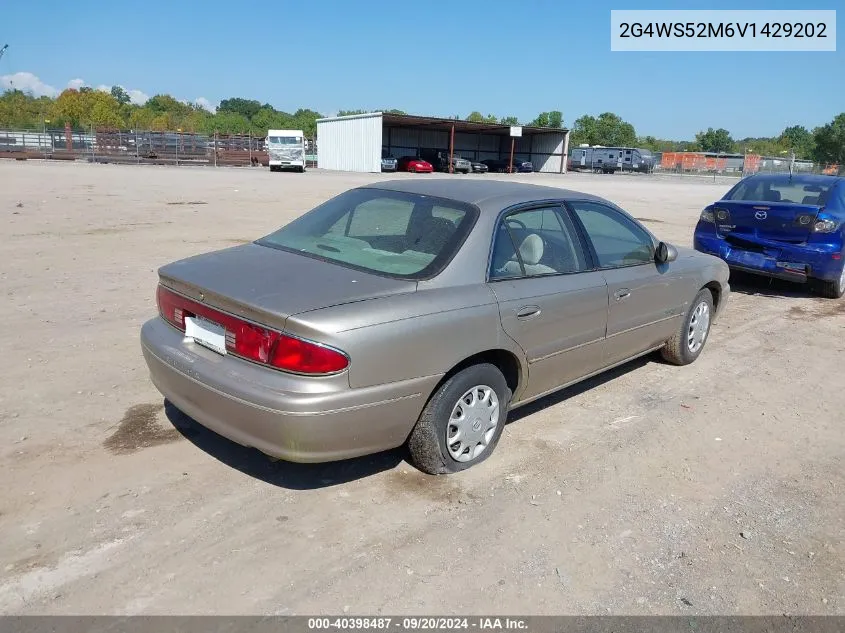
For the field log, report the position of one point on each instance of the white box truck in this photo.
(286, 149)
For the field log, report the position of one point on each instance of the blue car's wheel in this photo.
(833, 289)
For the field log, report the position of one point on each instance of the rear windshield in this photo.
(396, 234)
(795, 191)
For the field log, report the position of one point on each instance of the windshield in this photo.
(794, 191)
(285, 140)
(385, 232)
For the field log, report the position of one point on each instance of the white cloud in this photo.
(27, 82)
(205, 104)
(137, 97)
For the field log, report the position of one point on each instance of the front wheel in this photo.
(686, 345)
(462, 422)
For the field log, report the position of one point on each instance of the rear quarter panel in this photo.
(424, 333)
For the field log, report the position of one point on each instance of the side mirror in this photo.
(665, 253)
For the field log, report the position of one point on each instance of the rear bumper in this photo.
(791, 262)
(299, 419)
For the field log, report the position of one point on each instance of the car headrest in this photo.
(531, 249)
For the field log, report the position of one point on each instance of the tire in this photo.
(430, 450)
(832, 289)
(685, 346)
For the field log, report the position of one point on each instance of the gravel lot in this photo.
(713, 488)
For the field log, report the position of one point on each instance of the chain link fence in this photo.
(705, 164)
(141, 147)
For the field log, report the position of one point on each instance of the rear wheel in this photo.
(688, 342)
(462, 422)
(832, 289)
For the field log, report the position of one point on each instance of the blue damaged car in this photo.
(780, 225)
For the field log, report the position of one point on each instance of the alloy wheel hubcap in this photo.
(472, 424)
(699, 326)
(842, 280)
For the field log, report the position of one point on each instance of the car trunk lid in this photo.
(267, 285)
(778, 221)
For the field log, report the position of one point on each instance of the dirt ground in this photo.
(715, 488)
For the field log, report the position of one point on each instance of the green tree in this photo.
(715, 140)
(231, 123)
(102, 110)
(141, 119)
(607, 129)
(161, 104)
(477, 117)
(830, 141)
(799, 139)
(120, 95)
(162, 122)
(21, 110)
(556, 119)
(69, 107)
(198, 121)
(542, 120)
(247, 108)
(509, 120)
(306, 120)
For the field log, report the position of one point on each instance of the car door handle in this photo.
(622, 294)
(528, 312)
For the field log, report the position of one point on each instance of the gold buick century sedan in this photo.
(420, 313)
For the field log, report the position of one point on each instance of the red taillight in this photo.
(170, 307)
(250, 341)
(294, 354)
(254, 342)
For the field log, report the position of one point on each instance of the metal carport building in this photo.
(355, 142)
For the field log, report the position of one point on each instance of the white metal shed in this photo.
(355, 142)
(350, 143)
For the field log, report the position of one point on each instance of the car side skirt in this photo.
(515, 405)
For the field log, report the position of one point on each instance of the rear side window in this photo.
(397, 234)
(536, 242)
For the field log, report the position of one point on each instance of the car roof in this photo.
(490, 194)
(819, 179)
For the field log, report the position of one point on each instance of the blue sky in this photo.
(425, 57)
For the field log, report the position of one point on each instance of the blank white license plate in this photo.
(206, 333)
